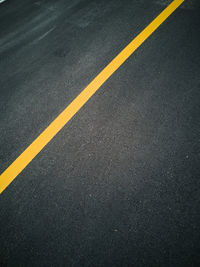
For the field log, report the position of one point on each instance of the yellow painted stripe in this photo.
(43, 139)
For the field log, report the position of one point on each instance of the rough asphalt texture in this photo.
(119, 185)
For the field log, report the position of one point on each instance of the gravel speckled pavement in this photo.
(119, 185)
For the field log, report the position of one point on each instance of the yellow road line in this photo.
(45, 137)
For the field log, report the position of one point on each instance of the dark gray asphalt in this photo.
(119, 185)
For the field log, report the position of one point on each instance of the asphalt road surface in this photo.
(119, 185)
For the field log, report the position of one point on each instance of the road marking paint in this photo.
(46, 136)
